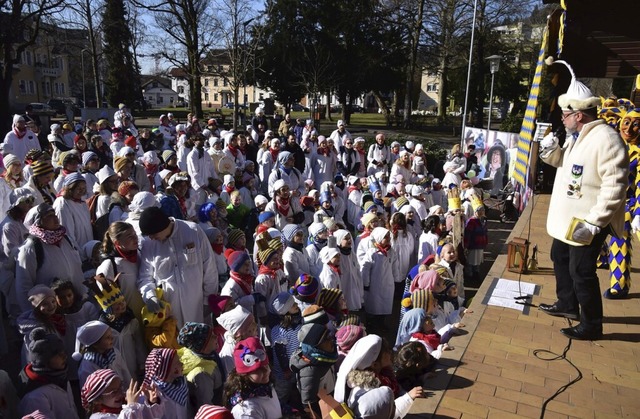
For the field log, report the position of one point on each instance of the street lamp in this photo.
(494, 66)
(84, 91)
(466, 92)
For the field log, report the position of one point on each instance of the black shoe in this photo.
(553, 310)
(581, 334)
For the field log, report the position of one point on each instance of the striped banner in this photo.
(521, 173)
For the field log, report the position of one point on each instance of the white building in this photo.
(158, 93)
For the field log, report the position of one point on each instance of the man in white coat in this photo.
(587, 204)
(20, 139)
(176, 256)
(201, 169)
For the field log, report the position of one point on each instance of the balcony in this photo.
(48, 71)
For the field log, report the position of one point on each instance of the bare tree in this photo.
(187, 25)
(20, 26)
(236, 24)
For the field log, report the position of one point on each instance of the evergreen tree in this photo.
(123, 77)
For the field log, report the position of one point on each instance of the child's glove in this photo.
(154, 305)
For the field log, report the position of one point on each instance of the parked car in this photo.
(42, 109)
(57, 105)
(298, 107)
(356, 109)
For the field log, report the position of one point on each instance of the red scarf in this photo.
(53, 237)
(366, 233)
(352, 188)
(18, 134)
(59, 323)
(182, 201)
(229, 189)
(130, 255)
(283, 207)
(388, 378)
(106, 409)
(233, 150)
(265, 270)
(218, 248)
(324, 151)
(335, 269)
(274, 154)
(245, 281)
(432, 338)
(382, 250)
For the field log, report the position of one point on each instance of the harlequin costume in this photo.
(620, 248)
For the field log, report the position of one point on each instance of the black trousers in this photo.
(577, 285)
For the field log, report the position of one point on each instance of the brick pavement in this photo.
(493, 372)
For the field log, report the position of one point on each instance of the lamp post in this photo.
(494, 66)
(84, 91)
(466, 92)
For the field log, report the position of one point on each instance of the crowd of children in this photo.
(253, 278)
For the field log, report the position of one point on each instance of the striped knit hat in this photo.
(41, 167)
(329, 297)
(158, 364)
(305, 288)
(97, 382)
(350, 320)
(347, 336)
(273, 246)
(233, 236)
(400, 202)
(419, 299)
(209, 411)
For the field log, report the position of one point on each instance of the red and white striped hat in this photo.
(95, 385)
(209, 411)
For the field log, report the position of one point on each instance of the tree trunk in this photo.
(382, 106)
(415, 41)
(5, 107)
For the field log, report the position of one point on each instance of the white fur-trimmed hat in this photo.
(578, 96)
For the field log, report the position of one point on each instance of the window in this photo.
(27, 58)
(225, 82)
(155, 84)
(56, 88)
(160, 99)
(62, 89)
(32, 87)
(432, 87)
(220, 69)
(180, 90)
(46, 88)
(206, 96)
(215, 82)
(261, 96)
(170, 99)
(22, 85)
(215, 97)
(206, 82)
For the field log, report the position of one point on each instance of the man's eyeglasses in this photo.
(566, 115)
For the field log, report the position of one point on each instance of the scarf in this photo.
(366, 233)
(384, 250)
(103, 361)
(182, 201)
(274, 154)
(345, 250)
(430, 338)
(233, 150)
(265, 270)
(335, 269)
(284, 169)
(59, 323)
(318, 243)
(120, 322)
(176, 390)
(380, 146)
(110, 410)
(296, 246)
(200, 151)
(130, 255)
(244, 281)
(218, 248)
(18, 133)
(39, 377)
(317, 356)
(47, 193)
(250, 392)
(53, 237)
(229, 189)
(324, 151)
(283, 205)
(388, 378)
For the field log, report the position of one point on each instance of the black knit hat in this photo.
(153, 220)
(42, 347)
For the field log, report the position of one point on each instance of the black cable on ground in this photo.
(555, 357)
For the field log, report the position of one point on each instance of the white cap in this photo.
(578, 96)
